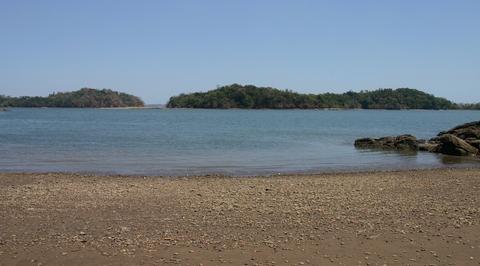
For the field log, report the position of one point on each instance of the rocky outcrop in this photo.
(3, 109)
(474, 143)
(463, 140)
(469, 132)
(402, 142)
(453, 145)
(427, 146)
(465, 131)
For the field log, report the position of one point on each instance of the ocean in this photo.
(178, 142)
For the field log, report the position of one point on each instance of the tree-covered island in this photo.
(83, 98)
(252, 97)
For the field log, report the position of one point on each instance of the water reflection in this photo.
(451, 160)
(442, 159)
(404, 152)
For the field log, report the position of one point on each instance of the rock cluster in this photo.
(402, 142)
(463, 140)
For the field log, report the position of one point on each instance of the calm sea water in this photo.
(235, 142)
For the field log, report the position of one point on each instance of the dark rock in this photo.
(3, 109)
(474, 142)
(465, 131)
(365, 142)
(427, 146)
(402, 142)
(406, 142)
(386, 142)
(463, 140)
(453, 145)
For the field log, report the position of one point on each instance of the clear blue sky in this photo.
(156, 49)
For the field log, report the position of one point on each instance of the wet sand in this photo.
(422, 217)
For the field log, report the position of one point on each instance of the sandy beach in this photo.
(417, 217)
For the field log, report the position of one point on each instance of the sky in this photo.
(157, 49)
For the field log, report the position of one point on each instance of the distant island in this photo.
(83, 98)
(252, 97)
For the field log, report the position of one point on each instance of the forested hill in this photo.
(83, 98)
(252, 97)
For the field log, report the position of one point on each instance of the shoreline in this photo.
(472, 166)
(389, 217)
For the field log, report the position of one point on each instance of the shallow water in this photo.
(236, 142)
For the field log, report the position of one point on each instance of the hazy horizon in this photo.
(156, 50)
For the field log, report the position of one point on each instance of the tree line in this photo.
(83, 98)
(252, 97)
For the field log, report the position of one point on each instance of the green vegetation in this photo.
(83, 98)
(469, 106)
(252, 97)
